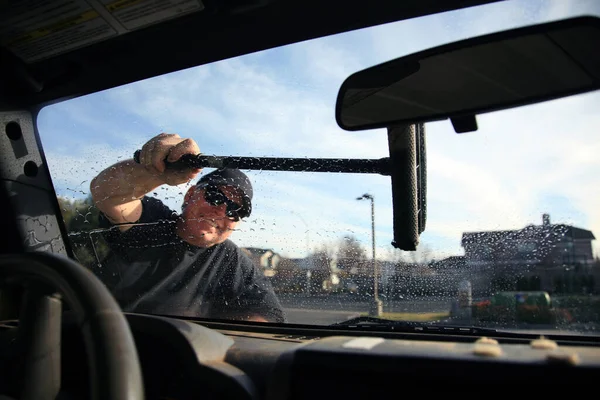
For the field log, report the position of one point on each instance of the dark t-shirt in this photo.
(157, 272)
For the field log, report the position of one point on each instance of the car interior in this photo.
(64, 336)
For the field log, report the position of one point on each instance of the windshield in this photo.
(512, 208)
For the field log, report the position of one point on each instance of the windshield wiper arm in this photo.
(365, 322)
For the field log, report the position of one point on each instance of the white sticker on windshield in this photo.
(133, 14)
(37, 29)
(363, 343)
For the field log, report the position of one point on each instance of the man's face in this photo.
(202, 224)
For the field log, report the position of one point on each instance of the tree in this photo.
(350, 253)
(79, 215)
(422, 255)
(395, 255)
(81, 220)
(322, 259)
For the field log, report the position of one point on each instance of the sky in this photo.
(520, 164)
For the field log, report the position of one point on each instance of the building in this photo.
(534, 257)
(449, 264)
(291, 275)
(551, 244)
(266, 259)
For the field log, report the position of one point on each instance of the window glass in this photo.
(512, 207)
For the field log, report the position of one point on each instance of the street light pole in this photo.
(377, 305)
(375, 269)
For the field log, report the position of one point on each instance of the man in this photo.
(180, 264)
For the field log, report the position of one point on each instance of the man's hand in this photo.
(169, 147)
(257, 318)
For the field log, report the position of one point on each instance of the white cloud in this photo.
(72, 173)
(285, 209)
(242, 107)
(330, 60)
(493, 178)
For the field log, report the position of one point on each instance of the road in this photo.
(301, 309)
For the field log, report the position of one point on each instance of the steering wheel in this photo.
(114, 367)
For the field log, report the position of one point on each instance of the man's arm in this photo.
(117, 190)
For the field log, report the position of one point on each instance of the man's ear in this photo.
(188, 197)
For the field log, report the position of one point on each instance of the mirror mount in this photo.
(464, 124)
(408, 174)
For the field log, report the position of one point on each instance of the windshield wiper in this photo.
(383, 324)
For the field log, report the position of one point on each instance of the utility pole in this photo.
(376, 308)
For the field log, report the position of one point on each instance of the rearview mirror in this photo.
(473, 76)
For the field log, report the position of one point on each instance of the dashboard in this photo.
(183, 359)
